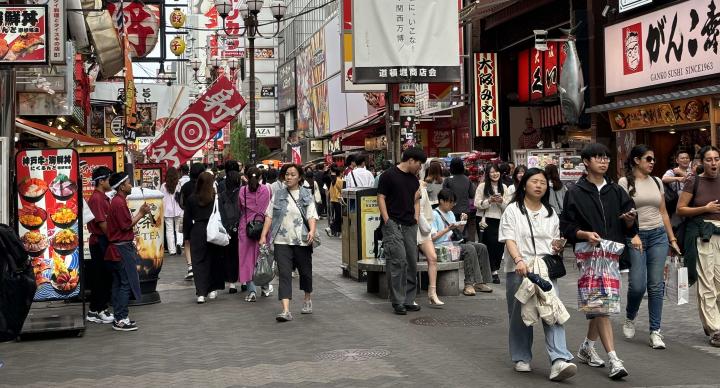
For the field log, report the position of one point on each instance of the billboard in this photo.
(24, 35)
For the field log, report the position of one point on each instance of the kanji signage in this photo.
(402, 41)
(56, 19)
(198, 124)
(347, 53)
(142, 23)
(487, 113)
(675, 113)
(24, 34)
(676, 43)
(539, 72)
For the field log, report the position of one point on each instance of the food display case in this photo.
(360, 219)
(567, 159)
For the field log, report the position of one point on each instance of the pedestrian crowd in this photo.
(511, 226)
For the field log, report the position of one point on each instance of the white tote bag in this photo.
(677, 289)
(216, 233)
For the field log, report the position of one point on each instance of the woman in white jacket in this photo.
(491, 198)
(531, 229)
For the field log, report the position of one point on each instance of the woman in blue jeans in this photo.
(649, 248)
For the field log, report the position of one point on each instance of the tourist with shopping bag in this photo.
(596, 209)
(677, 287)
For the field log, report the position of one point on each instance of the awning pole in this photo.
(7, 132)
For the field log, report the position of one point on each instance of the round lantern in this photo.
(177, 18)
(177, 45)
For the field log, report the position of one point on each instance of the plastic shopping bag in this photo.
(216, 233)
(599, 282)
(443, 254)
(264, 271)
(677, 288)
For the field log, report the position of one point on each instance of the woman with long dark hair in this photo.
(517, 175)
(230, 214)
(649, 248)
(557, 189)
(207, 258)
(290, 223)
(172, 211)
(253, 202)
(492, 196)
(434, 181)
(530, 229)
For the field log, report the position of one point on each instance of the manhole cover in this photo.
(352, 355)
(457, 321)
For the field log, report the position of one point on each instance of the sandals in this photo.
(251, 297)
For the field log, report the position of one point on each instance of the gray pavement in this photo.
(352, 340)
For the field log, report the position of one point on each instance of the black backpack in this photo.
(229, 209)
(17, 284)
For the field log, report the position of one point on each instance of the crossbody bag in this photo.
(554, 263)
(316, 238)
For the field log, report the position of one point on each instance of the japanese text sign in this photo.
(487, 113)
(56, 19)
(672, 44)
(23, 34)
(220, 104)
(539, 72)
(402, 41)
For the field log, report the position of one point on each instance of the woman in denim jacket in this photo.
(291, 221)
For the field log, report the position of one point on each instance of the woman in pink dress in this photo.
(253, 200)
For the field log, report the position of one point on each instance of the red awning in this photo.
(59, 133)
(357, 139)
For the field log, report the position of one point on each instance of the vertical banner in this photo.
(296, 156)
(523, 75)
(49, 203)
(551, 69)
(537, 78)
(407, 101)
(56, 16)
(347, 54)
(487, 114)
(130, 102)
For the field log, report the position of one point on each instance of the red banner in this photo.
(198, 124)
(487, 110)
(551, 69)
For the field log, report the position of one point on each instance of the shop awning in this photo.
(54, 134)
(658, 98)
(356, 134)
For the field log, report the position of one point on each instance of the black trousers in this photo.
(207, 261)
(490, 239)
(288, 257)
(336, 225)
(99, 276)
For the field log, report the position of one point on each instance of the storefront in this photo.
(664, 93)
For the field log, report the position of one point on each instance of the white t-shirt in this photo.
(292, 229)
(514, 226)
(362, 176)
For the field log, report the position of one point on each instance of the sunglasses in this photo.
(649, 159)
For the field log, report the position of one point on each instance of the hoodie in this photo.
(587, 210)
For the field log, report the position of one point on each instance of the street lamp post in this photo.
(249, 12)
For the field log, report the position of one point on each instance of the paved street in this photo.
(352, 340)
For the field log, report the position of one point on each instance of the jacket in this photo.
(539, 305)
(587, 210)
(695, 228)
(488, 210)
(280, 203)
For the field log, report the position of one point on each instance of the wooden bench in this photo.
(448, 277)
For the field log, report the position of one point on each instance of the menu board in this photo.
(49, 202)
(150, 175)
(571, 168)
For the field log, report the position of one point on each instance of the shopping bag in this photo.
(599, 281)
(264, 267)
(442, 253)
(677, 288)
(216, 233)
(455, 252)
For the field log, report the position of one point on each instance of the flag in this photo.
(131, 121)
(190, 131)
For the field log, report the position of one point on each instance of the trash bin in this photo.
(360, 217)
(149, 239)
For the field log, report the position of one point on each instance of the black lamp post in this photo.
(249, 12)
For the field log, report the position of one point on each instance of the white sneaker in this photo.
(656, 341)
(562, 370)
(617, 370)
(588, 355)
(212, 295)
(201, 299)
(106, 316)
(522, 366)
(629, 328)
(267, 292)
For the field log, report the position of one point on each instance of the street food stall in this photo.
(568, 161)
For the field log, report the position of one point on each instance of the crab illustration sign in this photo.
(198, 124)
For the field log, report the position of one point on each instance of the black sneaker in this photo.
(496, 279)
(125, 325)
(399, 309)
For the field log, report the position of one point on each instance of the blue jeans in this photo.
(521, 336)
(647, 273)
(120, 290)
(251, 287)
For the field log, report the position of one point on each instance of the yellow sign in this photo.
(369, 221)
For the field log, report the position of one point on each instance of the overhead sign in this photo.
(189, 132)
(680, 112)
(626, 5)
(487, 112)
(267, 91)
(539, 72)
(346, 48)
(56, 17)
(24, 34)
(286, 85)
(263, 131)
(676, 43)
(405, 42)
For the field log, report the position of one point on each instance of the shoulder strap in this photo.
(443, 217)
(696, 182)
(352, 173)
(532, 235)
(656, 183)
(302, 211)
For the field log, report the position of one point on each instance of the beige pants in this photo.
(708, 284)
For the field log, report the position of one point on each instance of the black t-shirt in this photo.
(399, 189)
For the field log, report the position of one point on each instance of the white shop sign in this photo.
(676, 43)
(626, 5)
(264, 131)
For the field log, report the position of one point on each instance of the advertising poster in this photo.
(97, 122)
(571, 168)
(49, 202)
(149, 233)
(286, 85)
(312, 102)
(147, 114)
(23, 34)
(368, 223)
(149, 175)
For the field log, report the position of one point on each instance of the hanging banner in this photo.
(56, 37)
(24, 34)
(405, 42)
(286, 85)
(487, 112)
(49, 203)
(141, 23)
(215, 108)
(346, 48)
(551, 69)
(296, 158)
(675, 43)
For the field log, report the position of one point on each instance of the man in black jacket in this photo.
(595, 209)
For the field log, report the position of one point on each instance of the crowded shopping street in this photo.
(359, 193)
